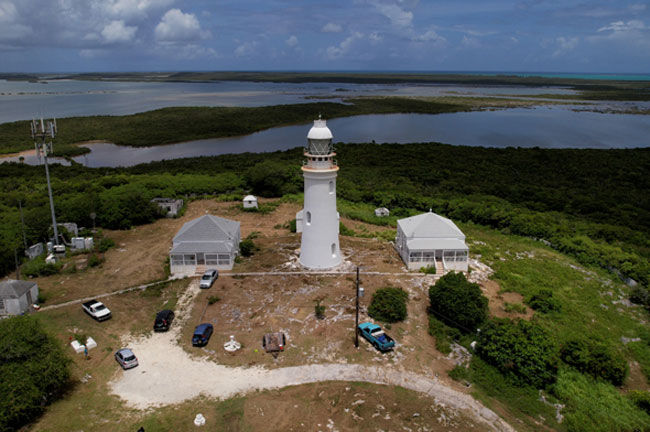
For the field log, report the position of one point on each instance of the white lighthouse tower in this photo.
(320, 224)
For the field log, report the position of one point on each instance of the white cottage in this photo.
(207, 242)
(431, 240)
(382, 212)
(16, 296)
(250, 201)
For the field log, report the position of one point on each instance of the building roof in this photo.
(429, 225)
(209, 247)
(320, 130)
(208, 228)
(250, 198)
(13, 289)
(422, 244)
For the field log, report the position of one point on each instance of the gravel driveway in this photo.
(164, 365)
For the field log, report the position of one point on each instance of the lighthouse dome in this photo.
(319, 131)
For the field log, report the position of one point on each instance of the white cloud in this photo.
(178, 26)
(335, 52)
(292, 41)
(331, 27)
(638, 7)
(470, 42)
(375, 37)
(10, 29)
(133, 8)
(397, 16)
(117, 32)
(429, 36)
(246, 49)
(565, 45)
(620, 26)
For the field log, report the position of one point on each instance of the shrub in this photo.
(428, 270)
(319, 309)
(388, 305)
(595, 359)
(640, 295)
(247, 247)
(515, 307)
(34, 371)
(345, 231)
(38, 267)
(520, 349)
(544, 302)
(458, 303)
(213, 299)
(641, 399)
(105, 244)
(95, 260)
(444, 334)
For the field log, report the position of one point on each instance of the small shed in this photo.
(206, 242)
(431, 240)
(17, 297)
(382, 212)
(169, 206)
(250, 201)
(34, 251)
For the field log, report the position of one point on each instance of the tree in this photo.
(595, 359)
(388, 305)
(458, 302)
(33, 368)
(520, 349)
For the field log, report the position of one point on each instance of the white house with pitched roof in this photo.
(17, 296)
(431, 240)
(209, 242)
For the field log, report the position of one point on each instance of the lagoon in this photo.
(545, 127)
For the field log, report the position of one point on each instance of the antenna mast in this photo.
(42, 132)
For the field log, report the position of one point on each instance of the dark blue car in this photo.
(202, 334)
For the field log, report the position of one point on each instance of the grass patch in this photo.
(514, 308)
(595, 406)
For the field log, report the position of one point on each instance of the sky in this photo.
(596, 36)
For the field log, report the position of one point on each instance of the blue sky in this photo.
(434, 35)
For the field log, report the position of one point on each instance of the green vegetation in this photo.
(213, 299)
(389, 305)
(514, 307)
(594, 406)
(444, 334)
(38, 267)
(595, 359)
(458, 303)
(519, 349)
(34, 371)
(543, 302)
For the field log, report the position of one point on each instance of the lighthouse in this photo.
(320, 224)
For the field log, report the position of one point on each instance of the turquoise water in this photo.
(567, 75)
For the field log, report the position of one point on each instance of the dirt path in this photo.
(164, 365)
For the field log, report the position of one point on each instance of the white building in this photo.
(382, 212)
(250, 201)
(16, 296)
(431, 240)
(169, 206)
(208, 242)
(320, 223)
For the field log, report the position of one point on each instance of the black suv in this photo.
(163, 320)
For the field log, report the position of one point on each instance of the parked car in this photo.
(163, 320)
(376, 336)
(126, 358)
(202, 334)
(96, 309)
(208, 278)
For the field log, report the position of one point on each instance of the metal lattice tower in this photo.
(43, 133)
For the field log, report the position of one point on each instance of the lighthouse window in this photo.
(331, 186)
(333, 250)
(308, 218)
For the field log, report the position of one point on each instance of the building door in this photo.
(30, 302)
(200, 258)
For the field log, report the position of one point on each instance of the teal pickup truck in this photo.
(376, 336)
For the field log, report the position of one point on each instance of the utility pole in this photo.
(359, 291)
(22, 220)
(41, 132)
(17, 266)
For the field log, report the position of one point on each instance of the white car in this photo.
(208, 278)
(96, 310)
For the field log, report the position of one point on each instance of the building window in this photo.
(2, 304)
(308, 218)
(333, 250)
(331, 186)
